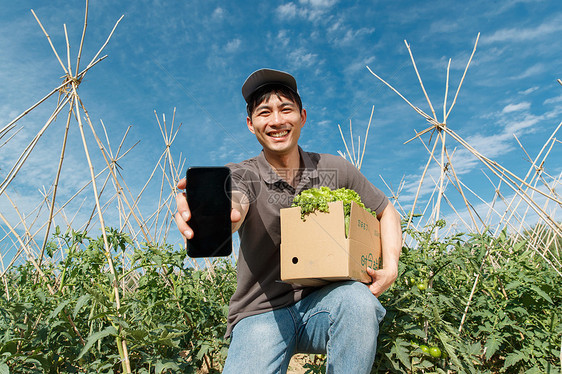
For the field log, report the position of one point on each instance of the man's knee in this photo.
(359, 304)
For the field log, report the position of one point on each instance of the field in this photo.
(479, 291)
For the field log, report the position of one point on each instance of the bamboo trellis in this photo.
(526, 191)
(30, 231)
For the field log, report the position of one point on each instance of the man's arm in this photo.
(391, 243)
(240, 207)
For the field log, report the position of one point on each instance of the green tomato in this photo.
(412, 281)
(424, 348)
(435, 352)
(422, 286)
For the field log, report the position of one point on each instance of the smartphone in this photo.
(208, 194)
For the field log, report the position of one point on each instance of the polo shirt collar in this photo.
(310, 170)
(271, 177)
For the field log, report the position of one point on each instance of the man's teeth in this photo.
(279, 134)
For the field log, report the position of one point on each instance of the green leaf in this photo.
(448, 348)
(80, 303)
(517, 246)
(93, 338)
(541, 293)
(161, 366)
(492, 346)
(425, 364)
(205, 348)
(514, 284)
(58, 309)
(137, 334)
(49, 248)
(512, 358)
(401, 350)
(41, 296)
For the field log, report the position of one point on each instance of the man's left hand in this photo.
(382, 280)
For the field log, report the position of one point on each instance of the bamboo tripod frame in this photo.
(29, 233)
(525, 191)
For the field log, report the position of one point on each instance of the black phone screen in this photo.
(208, 194)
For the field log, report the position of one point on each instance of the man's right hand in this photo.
(183, 214)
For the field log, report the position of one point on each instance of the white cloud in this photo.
(529, 90)
(284, 38)
(509, 4)
(359, 66)
(233, 45)
(303, 58)
(516, 107)
(443, 27)
(218, 14)
(527, 122)
(311, 10)
(319, 3)
(287, 10)
(525, 34)
(335, 27)
(531, 71)
(553, 100)
(351, 35)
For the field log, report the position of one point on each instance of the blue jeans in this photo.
(341, 320)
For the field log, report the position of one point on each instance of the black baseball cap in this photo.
(263, 77)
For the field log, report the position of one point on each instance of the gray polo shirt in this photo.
(259, 288)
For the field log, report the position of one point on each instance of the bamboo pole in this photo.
(29, 148)
(440, 135)
(534, 162)
(511, 180)
(352, 143)
(420, 185)
(458, 186)
(11, 125)
(55, 184)
(79, 56)
(111, 171)
(104, 44)
(366, 135)
(345, 144)
(51, 43)
(462, 79)
(107, 252)
(420, 80)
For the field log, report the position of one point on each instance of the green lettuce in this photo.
(317, 199)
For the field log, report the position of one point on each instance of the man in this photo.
(269, 320)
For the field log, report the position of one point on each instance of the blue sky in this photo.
(195, 55)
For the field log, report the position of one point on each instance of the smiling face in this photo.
(277, 123)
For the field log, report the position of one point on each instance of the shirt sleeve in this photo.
(371, 196)
(243, 179)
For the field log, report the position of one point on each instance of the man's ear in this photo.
(303, 117)
(250, 125)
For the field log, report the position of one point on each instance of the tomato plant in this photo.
(512, 324)
(435, 352)
(422, 286)
(173, 317)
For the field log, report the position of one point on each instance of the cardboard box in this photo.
(316, 251)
